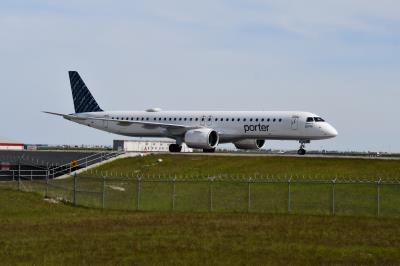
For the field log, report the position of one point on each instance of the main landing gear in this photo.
(302, 150)
(209, 150)
(175, 148)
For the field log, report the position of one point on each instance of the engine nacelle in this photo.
(202, 138)
(249, 144)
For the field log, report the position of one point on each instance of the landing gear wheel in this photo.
(301, 151)
(209, 150)
(175, 148)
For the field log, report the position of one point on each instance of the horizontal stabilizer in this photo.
(68, 117)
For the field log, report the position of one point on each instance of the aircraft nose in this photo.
(330, 131)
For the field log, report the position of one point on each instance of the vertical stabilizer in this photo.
(83, 100)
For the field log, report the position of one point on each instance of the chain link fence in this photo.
(216, 194)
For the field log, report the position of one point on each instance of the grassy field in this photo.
(193, 193)
(36, 232)
(233, 166)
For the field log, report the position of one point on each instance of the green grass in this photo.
(359, 199)
(259, 166)
(38, 233)
(231, 194)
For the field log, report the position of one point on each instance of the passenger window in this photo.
(251, 119)
(216, 119)
(262, 120)
(280, 119)
(256, 119)
(185, 119)
(268, 119)
(244, 119)
(238, 119)
(197, 119)
(274, 119)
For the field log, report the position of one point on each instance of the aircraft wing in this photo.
(147, 124)
(172, 128)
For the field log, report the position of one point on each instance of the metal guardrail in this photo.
(84, 162)
(53, 172)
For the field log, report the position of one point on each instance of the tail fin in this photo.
(83, 99)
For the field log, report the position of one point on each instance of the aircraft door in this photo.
(203, 120)
(294, 124)
(105, 122)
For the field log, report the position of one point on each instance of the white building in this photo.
(11, 145)
(146, 146)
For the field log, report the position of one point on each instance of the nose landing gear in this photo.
(302, 150)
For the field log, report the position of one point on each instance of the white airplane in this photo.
(199, 129)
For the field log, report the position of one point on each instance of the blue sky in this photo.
(339, 59)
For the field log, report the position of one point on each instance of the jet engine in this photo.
(202, 138)
(249, 144)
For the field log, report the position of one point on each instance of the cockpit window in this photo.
(310, 119)
(319, 119)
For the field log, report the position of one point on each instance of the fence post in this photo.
(173, 193)
(248, 195)
(31, 175)
(19, 170)
(378, 192)
(210, 188)
(13, 173)
(138, 193)
(103, 197)
(19, 174)
(289, 195)
(74, 191)
(333, 196)
(47, 185)
(19, 182)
